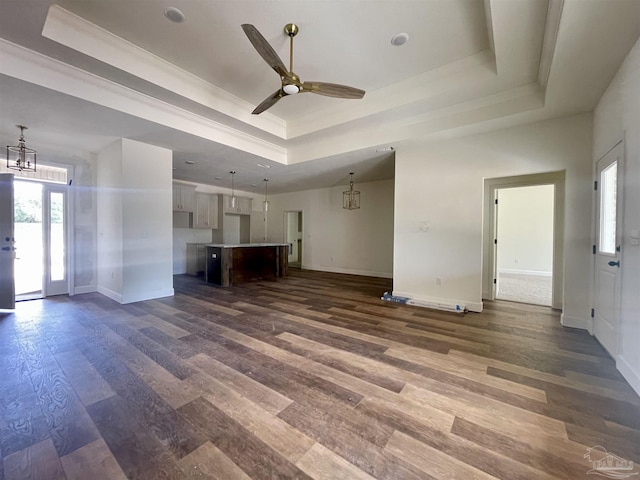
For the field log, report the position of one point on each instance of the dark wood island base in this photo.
(230, 264)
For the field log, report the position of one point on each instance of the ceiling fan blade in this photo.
(268, 102)
(265, 50)
(332, 90)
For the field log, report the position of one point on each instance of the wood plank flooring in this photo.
(308, 377)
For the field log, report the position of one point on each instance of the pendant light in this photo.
(265, 203)
(351, 198)
(19, 157)
(233, 192)
(265, 208)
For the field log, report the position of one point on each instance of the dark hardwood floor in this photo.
(310, 376)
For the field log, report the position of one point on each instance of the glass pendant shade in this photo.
(19, 157)
(234, 202)
(351, 198)
(265, 203)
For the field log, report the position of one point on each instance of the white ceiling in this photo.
(85, 72)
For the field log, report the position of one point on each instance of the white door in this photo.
(607, 249)
(56, 275)
(40, 229)
(7, 249)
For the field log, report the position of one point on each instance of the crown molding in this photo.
(27, 65)
(83, 36)
(551, 28)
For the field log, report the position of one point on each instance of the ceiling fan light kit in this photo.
(291, 83)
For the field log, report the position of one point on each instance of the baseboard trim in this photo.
(577, 322)
(628, 373)
(85, 289)
(447, 304)
(525, 272)
(138, 297)
(109, 293)
(364, 273)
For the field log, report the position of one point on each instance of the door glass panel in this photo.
(608, 188)
(56, 247)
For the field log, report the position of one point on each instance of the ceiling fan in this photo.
(291, 83)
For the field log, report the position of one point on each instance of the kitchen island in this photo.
(232, 264)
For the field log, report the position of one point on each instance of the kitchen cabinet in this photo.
(243, 205)
(184, 197)
(206, 211)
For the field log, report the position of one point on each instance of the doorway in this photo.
(293, 237)
(40, 221)
(490, 241)
(524, 249)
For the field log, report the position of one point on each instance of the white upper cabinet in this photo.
(184, 197)
(243, 205)
(206, 214)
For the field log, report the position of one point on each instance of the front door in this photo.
(7, 251)
(607, 248)
(41, 240)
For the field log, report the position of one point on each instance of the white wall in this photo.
(337, 240)
(85, 224)
(525, 230)
(134, 221)
(442, 183)
(147, 221)
(616, 116)
(110, 219)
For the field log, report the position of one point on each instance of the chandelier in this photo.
(19, 157)
(351, 198)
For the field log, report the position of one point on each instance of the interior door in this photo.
(607, 249)
(7, 249)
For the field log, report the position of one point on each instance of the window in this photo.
(608, 189)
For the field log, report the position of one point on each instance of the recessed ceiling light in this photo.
(399, 39)
(174, 15)
(264, 165)
(190, 162)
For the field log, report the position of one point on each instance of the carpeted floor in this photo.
(535, 289)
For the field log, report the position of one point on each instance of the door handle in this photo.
(6, 249)
(613, 263)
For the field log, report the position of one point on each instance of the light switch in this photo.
(634, 237)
